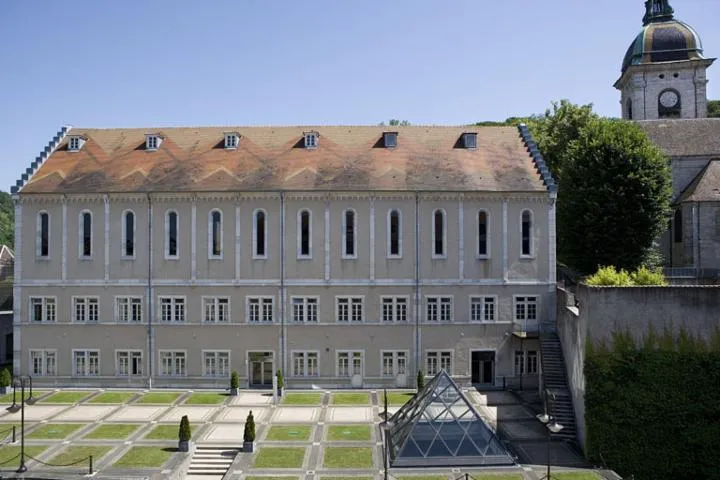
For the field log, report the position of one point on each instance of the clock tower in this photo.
(663, 73)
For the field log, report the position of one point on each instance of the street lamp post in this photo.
(552, 427)
(386, 425)
(22, 381)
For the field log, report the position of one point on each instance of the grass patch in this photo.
(8, 398)
(8, 452)
(279, 457)
(302, 399)
(66, 397)
(6, 429)
(350, 399)
(113, 397)
(575, 476)
(159, 397)
(397, 398)
(289, 432)
(54, 431)
(113, 431)
(206, 399)
(76, 453)
(260, 477)
(424, 477)
(348, 457)
(164, 432)
(349, 432)
(352, 478)
(145, 457)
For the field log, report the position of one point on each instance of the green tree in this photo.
(713, 108)
(7, 220)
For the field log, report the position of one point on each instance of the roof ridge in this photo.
(44, 155)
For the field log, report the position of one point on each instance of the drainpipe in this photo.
(150, 310)
(418, 356)
(282, 284)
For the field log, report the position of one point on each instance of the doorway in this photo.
(482, 367)
(262, 368)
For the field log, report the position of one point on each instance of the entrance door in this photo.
(261, 369)
(482, 367)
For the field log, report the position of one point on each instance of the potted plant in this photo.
(280, 383)
(420, 380)
(249, 434)
(184, 435)
(234, 384)
(5, 381)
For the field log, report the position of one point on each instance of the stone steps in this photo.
(211, 462)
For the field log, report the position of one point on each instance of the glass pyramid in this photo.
(439, 427)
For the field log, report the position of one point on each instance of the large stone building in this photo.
(345, 256)
(663, 85)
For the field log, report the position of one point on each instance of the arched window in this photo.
(349, 234)
(526, 232)
(394, 234)
(259, 234)
(482, 234)
(678, 226)
(438, 233)
(171, 234)
(85, 239)
(629, 109)
(128, 234)
(215, 242)
(304, 234)
(42, 245)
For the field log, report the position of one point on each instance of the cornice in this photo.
(40, 199)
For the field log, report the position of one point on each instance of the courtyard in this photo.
(131, 434)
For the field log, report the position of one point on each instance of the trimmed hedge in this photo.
(653, 410)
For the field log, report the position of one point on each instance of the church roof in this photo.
(352, 158)
(686, 137)
(705, 187)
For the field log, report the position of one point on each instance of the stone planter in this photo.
(184, 446)
(248, 447)
(280, 391)
(234, 392)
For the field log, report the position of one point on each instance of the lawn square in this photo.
(279, 457)
(350, 398)
(66, 397)
(165, 398)
(349, 433)
(302, 399)
(54, 431)
(113, 431)
(8, 452)
(145, 457)
(260, 477)
(396, 398)
(112, 397)
(289, 433)
(164, 432)
(77, 453)
(348, 457)
(575, 476)
(206, 399)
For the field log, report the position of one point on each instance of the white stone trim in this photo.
(193, 239)
(38, 236)
(400, 233)
(531, 254)
(81, 235)
(505, 240)
(166, 234)
(210, 233)
(238, 242)
(298, 232)
(461, 238)
(64, 246)
(488, 234)
(343, 239)
(327, 240)
(552, 243)
(17, 289)
(124, 235)
(443, 255)
(372, 238)
(106, 235)
(255, 255)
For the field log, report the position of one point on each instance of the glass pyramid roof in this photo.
(439, 427)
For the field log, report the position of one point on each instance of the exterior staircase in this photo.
(211, 462)
(554, 379)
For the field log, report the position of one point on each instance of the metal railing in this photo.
(691, 272)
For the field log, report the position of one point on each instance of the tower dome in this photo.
(663, 38)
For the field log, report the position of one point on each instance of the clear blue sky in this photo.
(137, 63)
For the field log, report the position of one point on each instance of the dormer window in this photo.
(232, 140)
(390, 139)
(152, 142)
(311, 139)
(75, 143)
(470, 140)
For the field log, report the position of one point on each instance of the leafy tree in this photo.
(713, 108)
(7, 220)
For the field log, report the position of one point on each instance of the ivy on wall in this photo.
(653, 407)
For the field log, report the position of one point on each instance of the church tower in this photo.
(663, 73)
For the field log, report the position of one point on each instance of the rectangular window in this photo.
(390, 139)
(394, 363)
(172, 363)
(43, 363)
(438, 309)
(216, 309)
(42, 248)
(349, 309)
(260, 309)
(128, 309)
(42, 309)
(394, 309)
(349, 363)
(172, 309)
(482, 309)
(86, 363)
(470, 140)
(311, 139)
(305, 364)
(216, 364)
(85, 309)
(531, 362)
(526, 309)
(305, 309)
(85, 237)
(349, 232)
(231, 140)
(129, 363)
(437, 360)
(519, 363)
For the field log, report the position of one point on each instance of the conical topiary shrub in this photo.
(280, 383)
(184, 434)
(249, 433)
(5, 381)
(420, 380)
(234, 383)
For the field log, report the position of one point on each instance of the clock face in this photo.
(669, 99)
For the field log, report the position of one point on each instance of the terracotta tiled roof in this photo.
(705, 187)
(683, 138)
(274, 158)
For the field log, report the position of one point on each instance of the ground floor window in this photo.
(216, 364)
(305, 364)
(526, 362)
(86, 363)
(129, 363)
(436, 360)
(349, 363)
(394, 363)
(172, 363)
(43, 362)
